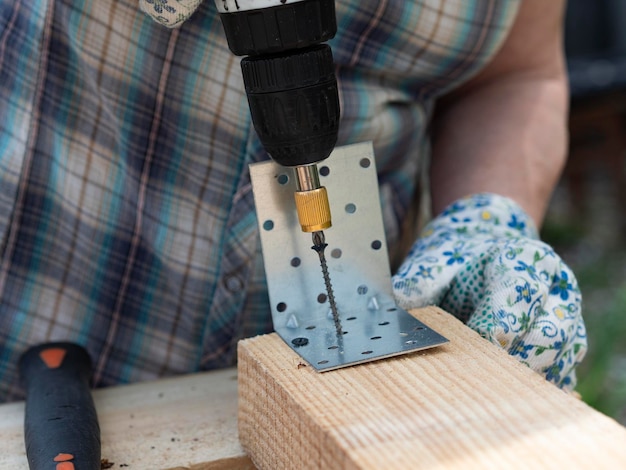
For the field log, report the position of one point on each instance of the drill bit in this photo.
(319, 245)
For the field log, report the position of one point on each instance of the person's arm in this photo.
(505, 131)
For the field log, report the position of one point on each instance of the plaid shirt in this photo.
(126, 213)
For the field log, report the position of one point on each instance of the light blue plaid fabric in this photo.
(126, 213)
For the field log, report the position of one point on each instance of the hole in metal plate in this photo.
(300, 341)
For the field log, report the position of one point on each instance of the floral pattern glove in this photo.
(482, 261)
(170, 13)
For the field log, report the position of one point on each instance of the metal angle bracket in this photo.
(374, 326)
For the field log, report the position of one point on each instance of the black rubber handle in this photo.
(61, 425)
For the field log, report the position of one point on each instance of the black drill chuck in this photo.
(290, 82)
(288, 75)
(294, 103)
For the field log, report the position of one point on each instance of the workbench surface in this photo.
(183, 422)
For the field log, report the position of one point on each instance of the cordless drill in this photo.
(290, 82)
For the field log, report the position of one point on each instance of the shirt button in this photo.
(233, 284)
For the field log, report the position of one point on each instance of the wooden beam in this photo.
(186, 422)
(465, 405)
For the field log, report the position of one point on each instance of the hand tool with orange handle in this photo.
(61, 425)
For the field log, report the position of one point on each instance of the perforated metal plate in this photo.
(374, 326)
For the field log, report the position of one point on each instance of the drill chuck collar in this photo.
(259, 27)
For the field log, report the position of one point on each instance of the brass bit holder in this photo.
(313, 209)
(373, 326)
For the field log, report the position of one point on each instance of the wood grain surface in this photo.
(187, 422)
(463, 405)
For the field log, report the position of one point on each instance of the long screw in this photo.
(319, 245)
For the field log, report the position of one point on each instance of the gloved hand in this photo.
(482, 261)
(170, 13)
